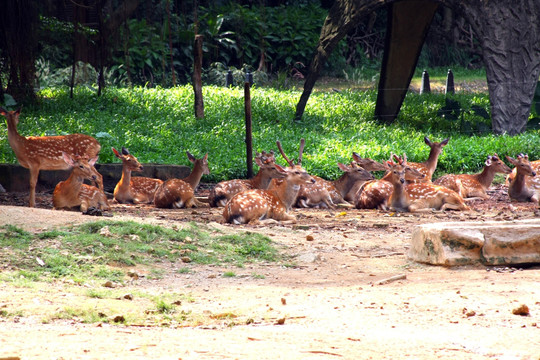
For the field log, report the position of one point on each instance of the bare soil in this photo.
(333, 304)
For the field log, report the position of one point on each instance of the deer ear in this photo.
(116, 153)
(427, 141)
(512, 160)
(343, 167)
(3, 111)
(125, 151)
(190, 157)
(93, 160)
(281, 169)
(68, 159)
(444, 142)
(489, 161)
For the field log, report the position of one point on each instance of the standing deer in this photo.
(274, 203)
(518, 189)
(475, 185)
(180, 193)
(138, 190)
(420, 196)
(324, 193)
(73, 193)
(428, 167)
(45, 152)
(223, 191)
(369, 165)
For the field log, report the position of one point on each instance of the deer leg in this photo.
(34, 173)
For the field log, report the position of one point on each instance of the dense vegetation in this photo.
(158, 126)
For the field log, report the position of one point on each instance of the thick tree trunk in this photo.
(510, 40)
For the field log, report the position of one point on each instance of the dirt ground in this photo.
(333, 304)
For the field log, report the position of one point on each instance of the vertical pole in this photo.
(449, 83)
(425, 87)
(197, 77)
(249, 146)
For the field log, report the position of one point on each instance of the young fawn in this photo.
(519, 190)
(428, 167)
(180, 193)
(223, 191)
(532, 182)
(475, 185)
(138, 190)
(45, 152)
(420, 196)
(369, 165)
(274, 203)
(73, 193)
(324, 193)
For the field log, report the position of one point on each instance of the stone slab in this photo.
(487, 243)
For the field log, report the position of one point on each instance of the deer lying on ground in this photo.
(519, 190)
(180, 193)
(45, 152)
(475, 185)
(420, 196)
(532, 182)
(273, 203)
(375, 194)
(428, 167)
(225, 190)
(369, 165)
(324, 193)
(138, 190)
(73, 193)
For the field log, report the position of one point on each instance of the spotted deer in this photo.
(428, 167)
(531, 181)
(519, 189)
(375, 194)
(45, 152)
(223, 191)
(180, 193)
(324, 193)
(369, 165)
(138, 190)
(273, 203)
(73, 193)
(419, 196)
(471, 186)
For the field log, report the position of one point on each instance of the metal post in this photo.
(424, 86)
(449, 83)
(249, 146)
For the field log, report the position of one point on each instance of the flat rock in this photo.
(487, 243)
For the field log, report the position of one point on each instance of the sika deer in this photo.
(475, 186)
(138, 190)
(419, 196)
(375, 194)
(369, 165)
(274, 203)
(428, 167)
(72, 193)
(518, 189)
(45, 152)
(324, 193)
(531, 181)
(180, 193)
(225, 190)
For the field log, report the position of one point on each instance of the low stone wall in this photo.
(486, 243)
(16, 178)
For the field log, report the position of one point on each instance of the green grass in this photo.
(102, 249)
(158, 126)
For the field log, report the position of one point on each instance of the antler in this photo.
(278, 143)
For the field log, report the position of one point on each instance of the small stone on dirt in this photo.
(310, 238)
(522, 310)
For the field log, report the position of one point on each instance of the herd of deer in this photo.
(406, 186)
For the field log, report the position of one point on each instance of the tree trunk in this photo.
(197, 76)
(510, 40)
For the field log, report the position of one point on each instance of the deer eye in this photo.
(82, 167)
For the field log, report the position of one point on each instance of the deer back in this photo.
(430, 196)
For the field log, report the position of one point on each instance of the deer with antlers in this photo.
(73, 193)
(419, 196)
(428, 167)
(324, 193)
(180, 193)
(45, 152)
(519, 188)
(471, 186)
(273, 203)
(138, 190)
(223, 191)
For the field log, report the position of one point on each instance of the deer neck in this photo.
(125, 180)
(194, 177)
(285, 192)
(518, 188)
(399, 200)
(433, 158)
(16, 140)
(261, 180)
(74, 182)
(485, 178)
(344, 184)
